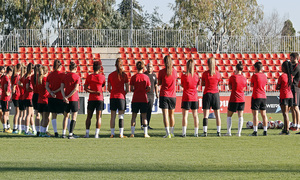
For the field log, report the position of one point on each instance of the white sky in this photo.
(287, 8)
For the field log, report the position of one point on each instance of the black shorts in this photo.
(16, 103)
(287, 102)
(98, 105)
(43, 108)
(258, 104)
(56, 105)
(21, 105)
(139, 106)
(167, 102)
(27, 103)
(211, 100)
(234, 106)
(35, 98)
(5, 106)
(117, 104)
(187, 105)
(72, 106)
(296, 97)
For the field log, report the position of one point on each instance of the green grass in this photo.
(212, 157)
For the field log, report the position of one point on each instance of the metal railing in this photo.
(147, 38)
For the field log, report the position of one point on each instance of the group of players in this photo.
(35, 92)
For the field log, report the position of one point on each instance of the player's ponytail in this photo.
(56, 65)
(17, 68)
(287, 68)
(9, 69)
(29, 70)
(190, 67)
(212, 66)
(72, 66)
(119, 67)
(23, 70)
(168, 64)
(258, 66)
(140, 65)
(36, 71)
(40, 75)
(239, 66)
(96, 66)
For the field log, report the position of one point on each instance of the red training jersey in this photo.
(95, 82)
(140, 82)
(54, 79)
(34, 85)
(117, 85)
(189, 84)
(42, 91)
(168, 83)
(285, 88)
(259, 81)
(22, 91)
(16, 95)
(211, 82)
(5, 81)
(70, 80)
(28, 94)
(238, 83)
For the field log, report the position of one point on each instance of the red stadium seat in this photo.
(73, 50)
(172, 50)
(146, 61)
(187, 50)
(174, 56)
(200, 68)
(22, 50)
(178, 69)
(82, 62)
(144, 56)
(84, 75)
(15, 56)
(268, 56)
(277, 62)
(51, 50)
(188, 56)
(67, 62)
(197, 62)
(274, 69)
(123, 56)
(29, 56)
(59, 56)
(88, 50)
(282, 56)
(279, 69)
(23, 61)
(224, 56)
(97, 56)
(143, 50)
(223, 69)
(128, 50)
(76, 61)
(37, 56)
(89, 56)
(45, 62)
(81, 56)
(260, 57)
(217, 56)
(253, 56)
(29, 50)
(183, 62)
(181, 56)
(251, 69)
(204, 62)
(276, 75)
(66, 50)
(74, 56)
(159, 56)
(195, 56)
(154, 62)
(125, 62)
(161, 63)
(80, 50)
(36, 50)
(133, 69)
(83, 68)
(203, 56)
(131, 62)
(44, 50)
(230, 69)
(232, 56)
(275, 56)
(220, 62)
(152, 56)
(136, 50)
(247, 75)
(239, 56)
(245, 69)
(90, 69)
(150, 50)
(165, 51)
(7, 62)
(7, 56)
(37, 61)
(287, 56)
(45, 57)
(269, 75)
(179, 50)
(137, 56)
(14, 62)
(67, 57)
(129, 56)
(30, 61)
(121, 50)
(249, 62)
(266, 68)
(210, 55)
(58, 50)
(270, 62)
(155, 68)
(227, 62)
(246, 56)
(264, 62)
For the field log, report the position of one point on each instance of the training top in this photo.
(16, 95)
(34, 85)
(211, 82)
(296, 76)
(168, 83)
(95, 82)
(70, 80)
(285, 89)
(190, 84)
(5, 81)
(27, 94)
(153, 81)
(22, 88)
(54, 79)
(42, 91)
(140, 82)
(259, 81)
(238, 83)
(117, 85)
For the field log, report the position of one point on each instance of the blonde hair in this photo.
(43, 70)
(23, 70)
(168, 64)
(190, 67)
(212, 66)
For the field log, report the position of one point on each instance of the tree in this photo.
(125, 11)
(216, 18)
(288, 29)
(154, 20)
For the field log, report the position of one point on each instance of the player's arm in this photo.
(49, 90)
(131, 88)
(5, 90)
(156, 90)
(108, 86)
(87, 89)
(278, 84)
(28, 88)
(14, 88)
(148, 88)
(126, 88)
(73, 91)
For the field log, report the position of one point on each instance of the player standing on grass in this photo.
(139, 85)
(22, 107)
(35, 97)
(211, 97)
(117, 80)
(2, 71)
(150, 94)
(237, 84)
(286, 96)
(15, 97)
(69, 90)
(190, 81)
(43, 100)
(259, 98)
(167, 97)
(5, 97)
(94, 84)
(296, 92)
(55, 100)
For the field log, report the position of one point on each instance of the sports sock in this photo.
(218, 128)
(47, 128)
(229, 125)
(38, 128)
(255, 128)
(97, 131)
(43, 129)
(33, 128)
(4, 126)
(132, 129)
(240, 127)
(26, 129)
(8, 124)
(23, 127)
(183, 130)
(15, 127)
(196, 130)
(54, 125)
(172, 130)
(265, 128)
(121, 131)
(205, 122)
(87, 131)
(64, 132)
(294, 125)
(298, 125)
(20, 128)
(121, 126)
(145, 129)
(167, 130)
(112, 131)
(69, 123)
(204, 128)
(72, 126)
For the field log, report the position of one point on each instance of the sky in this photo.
(286, 8)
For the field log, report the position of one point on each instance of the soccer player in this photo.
(21, 100)
(296, 92)
(211, 97)
(167, 97)
(43, 99)
(2, 72)
(150, 94)
(55, 100)
(94, 85)
(237, 84)
(286, 96)
(117, 80)
(259, 98)
(139, 85)
(15, 97)
(190, 81)
(69, 90)
(35, 97)
(28, 93)
(5, 97)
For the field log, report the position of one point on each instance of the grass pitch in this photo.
(212, 157)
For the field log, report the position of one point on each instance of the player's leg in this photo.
(29, 115)
(65, 120)
(255, 121)
(16, 118)
(113, 114)
(241, 122)
(98, 123)
(265, 121)
(133, 118)
(37, 121)
(73, 123)
(145, 124)
(88, 122)
(172, 121)
(166, 122)
(218, 121)
(229, 122)
(285, 114)
(185, 114)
